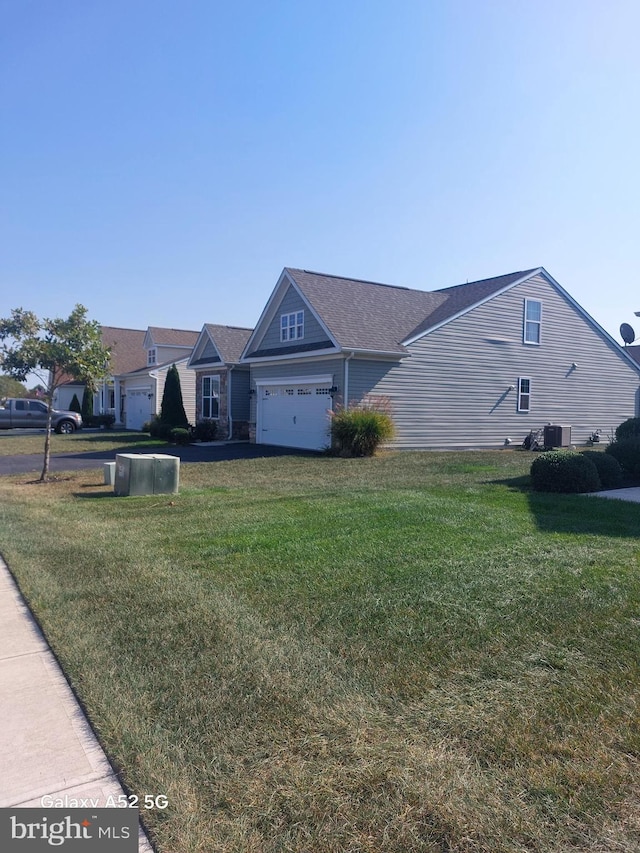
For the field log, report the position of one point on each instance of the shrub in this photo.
(627, 452)
(74, 405)
(106, 421)
(205, 431)
(628, 429)
(608, 468)
(87, 405)
(564, 471)
(172, 409)
(180, 435)
(359, 430)
(158, 429)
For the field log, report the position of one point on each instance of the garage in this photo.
(138, 407)
(294, 413)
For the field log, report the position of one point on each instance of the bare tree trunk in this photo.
(47, 448)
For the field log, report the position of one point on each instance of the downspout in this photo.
(346, 380)
(229, 417)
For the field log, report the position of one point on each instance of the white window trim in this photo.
(287, 326)
(525, 321)
(211, 378)
(522, 379)
(152, 356)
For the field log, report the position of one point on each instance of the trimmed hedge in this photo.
(564, 471)
(627, 453)
(628, 429)
(180, 435)
(608, 468)
(205, 431)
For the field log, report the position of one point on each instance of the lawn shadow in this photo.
(578, 513)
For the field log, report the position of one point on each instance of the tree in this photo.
(10, 387)
(87, 404)
(54, 350)
(172, 411)
(74, 405)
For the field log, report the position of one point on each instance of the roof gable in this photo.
(226, 342)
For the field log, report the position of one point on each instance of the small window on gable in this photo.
(524, 394)
(151, 356)
(532, 321)
(292, 326)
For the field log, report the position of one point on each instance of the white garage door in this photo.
(138, 408)
(294, 415)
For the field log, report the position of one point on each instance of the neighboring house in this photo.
(127, 354)
(221, 382)
(477, 365)
(138, 393)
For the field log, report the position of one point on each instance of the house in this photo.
(138, 392)
(127, 354)
(221, 382)
(477, 365)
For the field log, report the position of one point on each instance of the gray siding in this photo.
(313, 331)
(453, 391)
(240, 394)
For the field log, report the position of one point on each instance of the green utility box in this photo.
(146, 474)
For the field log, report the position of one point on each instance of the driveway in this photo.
(193, 453)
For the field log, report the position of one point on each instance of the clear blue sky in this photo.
(162, 161)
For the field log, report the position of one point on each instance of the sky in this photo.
(161, 161)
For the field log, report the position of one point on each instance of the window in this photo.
(211, 397)
(292, 326)
(524, 394)
(532, 321)
(151, 356)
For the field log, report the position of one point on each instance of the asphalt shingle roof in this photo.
(230, 341)
(371, 316)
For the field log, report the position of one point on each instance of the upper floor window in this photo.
(151, 356)
(292, 326)
(532, 321)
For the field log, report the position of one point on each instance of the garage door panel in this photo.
(295, 416)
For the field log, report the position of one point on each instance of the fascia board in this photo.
(316, 354)
(408, 341)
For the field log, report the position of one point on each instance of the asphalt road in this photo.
(192, 453)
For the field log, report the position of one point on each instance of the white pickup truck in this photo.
(18, 413)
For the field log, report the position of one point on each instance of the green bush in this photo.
(180, 435)
(158, 429)
(205, 431)
(627, 452)
(106, 421)
(172, 409)
(564, 471)
(74, 405)
(359, 430)
(608, 468)
(628, 429)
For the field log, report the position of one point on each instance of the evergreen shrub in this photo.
(205, 431)
(628, 429)
(74, 405)
(627, 453)
(180, 435)
(608, 468)
(564, 471)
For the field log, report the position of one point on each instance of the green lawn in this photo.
(19, 443)
(407, 653)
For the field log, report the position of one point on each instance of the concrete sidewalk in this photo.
(631, 494)
(48, 750)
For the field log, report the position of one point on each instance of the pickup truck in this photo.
(17, 413)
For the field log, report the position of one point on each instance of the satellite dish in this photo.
(627, 334)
